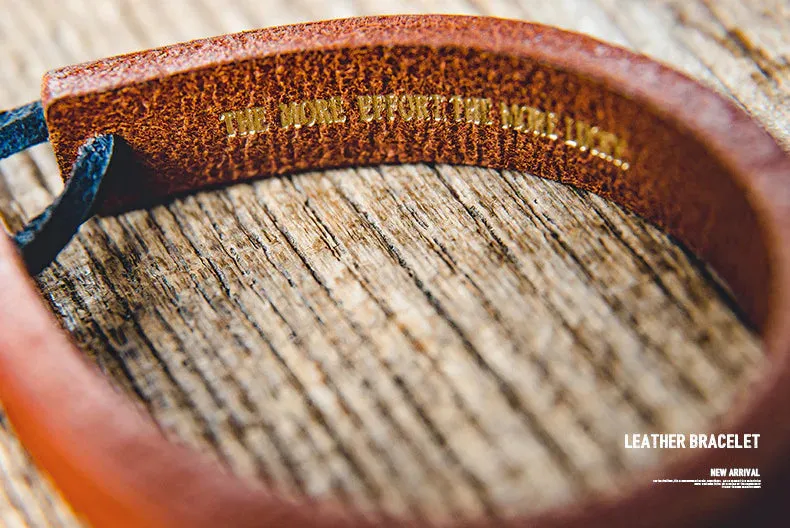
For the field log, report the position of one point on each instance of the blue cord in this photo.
(46, 235)
(22, 128)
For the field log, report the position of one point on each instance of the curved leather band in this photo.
(594, 116)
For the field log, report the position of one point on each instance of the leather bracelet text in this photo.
(437, 89)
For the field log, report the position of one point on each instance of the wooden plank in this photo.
(434, 340)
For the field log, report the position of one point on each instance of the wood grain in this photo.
(429, 340)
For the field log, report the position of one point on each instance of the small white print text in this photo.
(725, 478)
(692, 441)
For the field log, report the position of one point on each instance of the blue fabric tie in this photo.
(43, 237)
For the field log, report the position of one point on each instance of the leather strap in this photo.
(467, 90)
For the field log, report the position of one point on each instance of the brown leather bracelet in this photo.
(463, 90)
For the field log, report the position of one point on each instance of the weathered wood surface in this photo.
(433, 340)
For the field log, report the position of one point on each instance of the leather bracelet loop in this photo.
(466, 90)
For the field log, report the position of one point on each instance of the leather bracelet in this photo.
(438, 89)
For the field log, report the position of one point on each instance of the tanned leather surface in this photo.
(685, 158)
